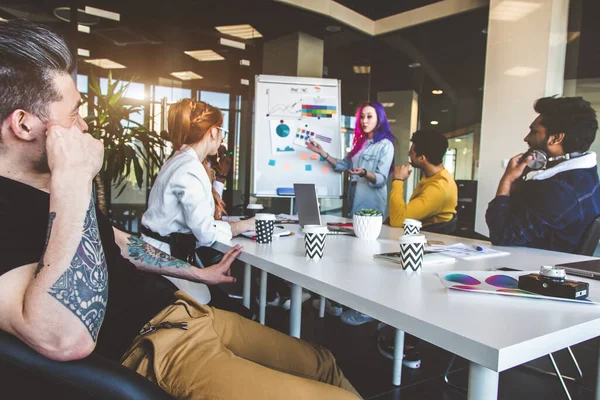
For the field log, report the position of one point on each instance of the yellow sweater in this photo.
(433, 201)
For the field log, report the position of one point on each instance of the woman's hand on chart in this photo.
(315, 147)
(221, 272)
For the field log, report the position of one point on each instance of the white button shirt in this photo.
(181, 201)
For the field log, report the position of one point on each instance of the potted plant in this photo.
(367, 223)
(132, 152)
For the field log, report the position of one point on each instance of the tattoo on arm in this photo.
(141, 251)
(41, 263)
(83, 288)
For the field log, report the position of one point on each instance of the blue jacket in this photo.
(550, 210)
(376, 158)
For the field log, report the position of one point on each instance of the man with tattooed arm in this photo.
(71, 284)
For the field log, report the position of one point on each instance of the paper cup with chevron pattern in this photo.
(314, 241)
(265, 223)
(412, 249)
(412, 226)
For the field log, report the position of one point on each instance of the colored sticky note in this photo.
(314, 156)
(325, 170)
(308, 167)
(272, 163)
(321, 159)
(287, 166)
(304, 156)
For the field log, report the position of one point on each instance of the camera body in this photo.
(552, 282)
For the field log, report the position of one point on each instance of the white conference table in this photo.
(494, 333)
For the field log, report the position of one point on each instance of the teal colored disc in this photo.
(282, 130)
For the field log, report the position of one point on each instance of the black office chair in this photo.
(589, 241)
(586, 247)
(26, 374)
(446, 228)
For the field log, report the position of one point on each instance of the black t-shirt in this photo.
(134, 297)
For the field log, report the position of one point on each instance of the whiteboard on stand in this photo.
(289, 110)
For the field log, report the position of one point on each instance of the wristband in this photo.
(326, 157)
(363, 174)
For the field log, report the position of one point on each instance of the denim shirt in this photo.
(376, 158)
(551, 211)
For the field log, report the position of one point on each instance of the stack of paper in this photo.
(466, 252)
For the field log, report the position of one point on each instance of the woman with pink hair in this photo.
(370, 160)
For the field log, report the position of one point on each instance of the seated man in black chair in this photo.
(550, 195)
(435, 198)
(71, 285)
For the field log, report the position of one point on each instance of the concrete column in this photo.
(525, 60)
(297, 54)
(403, 118)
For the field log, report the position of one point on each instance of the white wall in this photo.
(524, 61)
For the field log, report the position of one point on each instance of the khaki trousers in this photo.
(225, 356)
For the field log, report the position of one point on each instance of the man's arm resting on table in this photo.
(58, 305)
(150, 259)
(427, 204)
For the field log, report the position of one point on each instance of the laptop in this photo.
(307, 205)
(587, 269)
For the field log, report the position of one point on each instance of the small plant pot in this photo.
(367, 227)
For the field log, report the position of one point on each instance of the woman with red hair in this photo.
(184, 201)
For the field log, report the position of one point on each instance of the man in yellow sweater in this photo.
(436, 196)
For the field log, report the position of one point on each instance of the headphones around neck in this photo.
(540, 159)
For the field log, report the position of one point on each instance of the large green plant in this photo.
(128, 145)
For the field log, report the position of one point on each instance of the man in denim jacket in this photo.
(550, 208)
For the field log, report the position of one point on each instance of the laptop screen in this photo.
(307, 204)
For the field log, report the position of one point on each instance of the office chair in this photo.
(446, 228)
(589, 241)
(25, 374)
(586, 247)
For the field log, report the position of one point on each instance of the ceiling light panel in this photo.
(98, 12)
(232, 43)
(83, 52)
(83, 28)
(241, 31)
(204, 55)
(105, 63)
(186, 75)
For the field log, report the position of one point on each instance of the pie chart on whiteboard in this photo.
(282, 130)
